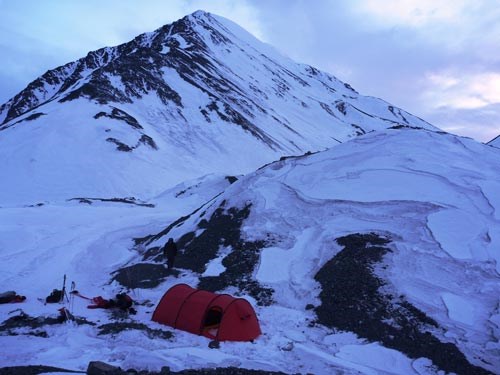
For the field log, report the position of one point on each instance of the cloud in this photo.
(414, 13)
(463, 102)
(454, 25)
(464, 91)
(466, 121)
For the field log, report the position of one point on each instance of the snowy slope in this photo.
(436, 197)
(430, 201)
(495, 142)
(195, 97)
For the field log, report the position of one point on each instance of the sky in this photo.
(437, 59)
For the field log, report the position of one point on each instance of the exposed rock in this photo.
(400, 126)
(341, 106)
(352, 300)
(23, 324)
(214, 344)
(118, 114)
(231, 179)
(155, 252)
(34, 116)
(147, 140)
(34, 370)
(222, 229)
(120, 145)
(101, 368)
(117, 327)
(143, 275)
(143, 140)
(128, 200)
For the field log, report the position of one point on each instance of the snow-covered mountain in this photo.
(195, 97)
(373, 252)
(377, 256)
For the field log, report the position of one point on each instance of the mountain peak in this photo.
(200, 14)
(192, 33)
(200, 88)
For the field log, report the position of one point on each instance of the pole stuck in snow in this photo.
(64, 294)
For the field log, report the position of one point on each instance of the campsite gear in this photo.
(65, 315)
(72, 297)
(58, 295)
(63, 290)
(123, 301)
(6, 297)
(77, 293)
(54, 297)
(101, 303)
(219, 317)
(11, 297)
(170, 252)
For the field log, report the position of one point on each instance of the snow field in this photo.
(452, 278)
(445, 244)
(87, 243)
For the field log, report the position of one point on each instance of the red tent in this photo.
(216, 316)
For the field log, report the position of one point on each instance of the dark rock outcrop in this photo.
(24, 324)
(222, 229)
(143, 275)
(34, 370)
(352, 300)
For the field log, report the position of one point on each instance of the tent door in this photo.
(212, 321)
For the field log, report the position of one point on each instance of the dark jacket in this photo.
(170, 249)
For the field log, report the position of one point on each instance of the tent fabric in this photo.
(198, 311)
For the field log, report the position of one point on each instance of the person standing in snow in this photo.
(170, 252)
